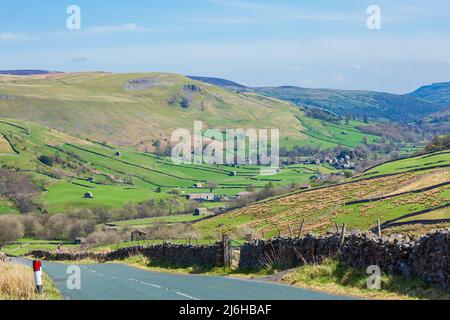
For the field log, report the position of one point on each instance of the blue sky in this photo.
(310, 43)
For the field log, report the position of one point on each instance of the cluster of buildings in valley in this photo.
(342, 163)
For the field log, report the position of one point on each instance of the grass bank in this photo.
(17, 283)
(337, 278)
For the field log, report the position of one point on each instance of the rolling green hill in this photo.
(140, 109)
(117, 175)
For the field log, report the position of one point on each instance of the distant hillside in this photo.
(375, 105)
(141, 109)
(26, 72)
(439, 117)
(438, 93)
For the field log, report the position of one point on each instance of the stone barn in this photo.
(89, 195)
(200, 211)
(137, 235)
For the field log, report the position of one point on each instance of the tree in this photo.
(57, 227)
(438, 143)
(250, 188)
(11, 229)
(46, 160)
(212, 186)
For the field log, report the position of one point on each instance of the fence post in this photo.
(226, 251)
(263, 235)
(379, 228)
(341, 243)
(337, 227)
(290, 230)
(301, 228)
(279, 231)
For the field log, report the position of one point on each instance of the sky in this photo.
(308, 43)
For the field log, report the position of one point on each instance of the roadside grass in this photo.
(334, 277)
(17, 283)
(329, 276)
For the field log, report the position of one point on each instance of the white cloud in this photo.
(128, 27)
(8, 36)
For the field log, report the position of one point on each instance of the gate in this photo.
(232, 252)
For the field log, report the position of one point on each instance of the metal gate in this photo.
(235, 254)
(232, 252)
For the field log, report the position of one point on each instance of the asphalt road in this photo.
(121, 282)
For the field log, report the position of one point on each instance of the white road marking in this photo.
(186, 296)
(145, 283)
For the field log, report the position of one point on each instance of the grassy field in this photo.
(420, 162)
(391, 199)
(23, 246)
(117, 180)
(165, 219)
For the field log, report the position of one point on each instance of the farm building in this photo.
(88, 195)
(110, 228)
(200, 211)
(79, 241)
(137, 235)
(201, 196)
(243, 194)
(233, 174)
(197, 185)
(118, 154)
(91, 179)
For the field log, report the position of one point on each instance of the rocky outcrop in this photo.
(3, 257)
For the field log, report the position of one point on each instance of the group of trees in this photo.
(55, 227)
(438, 143)
(20, 189)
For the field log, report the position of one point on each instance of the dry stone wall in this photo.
(168, 254)
(427, 257)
